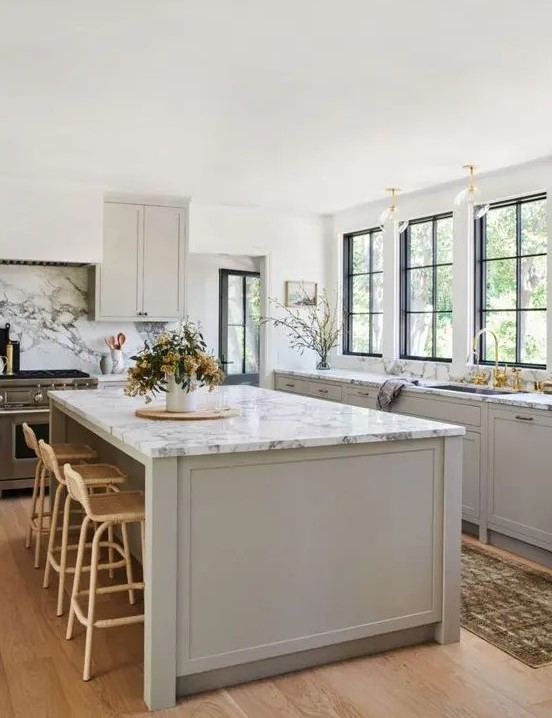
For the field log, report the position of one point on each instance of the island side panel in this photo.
(294, 550)
(448, 631)
(160, 576)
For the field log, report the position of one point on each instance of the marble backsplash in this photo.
(47, 308)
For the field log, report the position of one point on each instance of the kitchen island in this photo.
(297, 533)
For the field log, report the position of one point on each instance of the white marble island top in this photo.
(267, 420)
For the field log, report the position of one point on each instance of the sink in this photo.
(473, 389)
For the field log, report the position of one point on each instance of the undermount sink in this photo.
(473, 389)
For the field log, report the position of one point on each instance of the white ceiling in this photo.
(308, 105)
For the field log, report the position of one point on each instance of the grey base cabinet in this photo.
(520, 474)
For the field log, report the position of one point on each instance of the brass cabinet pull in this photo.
(322, 391)
(524, 418)
(364, 393)
(290, 385)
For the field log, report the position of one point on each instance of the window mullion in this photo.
(518, 281)
(434, 292)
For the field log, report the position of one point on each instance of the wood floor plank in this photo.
(40, 672)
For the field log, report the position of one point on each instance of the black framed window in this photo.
(511, 247)
(363, 292)
(426, 289)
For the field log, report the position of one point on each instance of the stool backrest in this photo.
(76, 486)
(50, 460)
(30, 439)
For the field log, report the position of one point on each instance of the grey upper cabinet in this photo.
(141, 277)
(520, 485)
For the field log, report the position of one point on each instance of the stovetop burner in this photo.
(47, 374)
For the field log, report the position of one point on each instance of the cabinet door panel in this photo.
(162, 277)
(366, 398)
(520, 476)
(471, 476)
(121, 266)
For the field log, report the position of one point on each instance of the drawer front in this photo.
(323, 390)
(364, 397)
(288, 383)
(448, 411)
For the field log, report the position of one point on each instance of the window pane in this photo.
(361, 293)
(235, 299)
(420, 334)
(377, 292)
(377, 251)
(533, 227)
(533, 283)
(420, 290)
(420, 245)
(444, 240)
(443, 338)
(444, 289)
(361, 253)
(377, 333)
(500, 283)
(501, 232)
(503, 325)
(235, 350)
(361, 333)
(532, 333)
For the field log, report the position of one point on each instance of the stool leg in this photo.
(143, 541)
(111, 552)
(63, 555)
(92, 601)
(52, 537)
(40, 519)
(33, 503)
(128, 564)
(76, 582)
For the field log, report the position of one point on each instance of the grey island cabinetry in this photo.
(296, 533)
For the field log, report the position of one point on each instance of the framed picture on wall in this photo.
(301, 294)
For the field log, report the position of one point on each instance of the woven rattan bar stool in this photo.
(71, 453)
(106, 510)
(102, 477)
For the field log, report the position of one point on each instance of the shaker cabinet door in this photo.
(163, 283)
(122, 260)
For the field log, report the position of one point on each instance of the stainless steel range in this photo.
(24, 398)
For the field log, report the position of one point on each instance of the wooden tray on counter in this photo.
(158, 412)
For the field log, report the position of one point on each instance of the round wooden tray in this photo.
(159, 412)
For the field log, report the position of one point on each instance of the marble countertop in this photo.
(267, 420)
(108, 378)
(527, 400)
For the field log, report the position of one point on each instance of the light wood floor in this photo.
(40, 671)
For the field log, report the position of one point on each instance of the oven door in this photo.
(17, 461)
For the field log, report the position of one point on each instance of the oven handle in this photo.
(11, 412)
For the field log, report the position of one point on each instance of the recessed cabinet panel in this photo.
(363, 397)
(520, 453)
(289, 383)
(162, 247)
(122, 255)
(324, 390)
(471, 471)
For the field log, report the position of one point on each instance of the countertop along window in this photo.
(363, 292)
(426, 289)
(511, 246)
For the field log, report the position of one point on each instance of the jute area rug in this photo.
(508, 604)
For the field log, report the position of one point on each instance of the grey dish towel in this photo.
(389, 391)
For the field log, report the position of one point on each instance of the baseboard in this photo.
(520, 548)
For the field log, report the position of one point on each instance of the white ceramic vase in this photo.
(118, 361)
(179, 399)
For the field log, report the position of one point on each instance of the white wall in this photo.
(512, 182)
(49, 221)
(293, 247)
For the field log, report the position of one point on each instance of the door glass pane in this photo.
(252, 316)
(235, 299)
(235, 349)
(532, 334)
(501, 232)
(533, 227)
(420, 334)
(421, 244)
(420, 290)
(533, 283)
(500, 281)
(503, 325)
